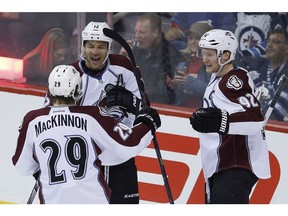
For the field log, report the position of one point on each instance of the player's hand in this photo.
(119, 96)
(150, 117)
(208, 120)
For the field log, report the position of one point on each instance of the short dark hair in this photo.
(279, 31)
(154, 18)
(64, 100)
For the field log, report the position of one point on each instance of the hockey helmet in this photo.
(94, 31)
(65, 80)
(220, 40)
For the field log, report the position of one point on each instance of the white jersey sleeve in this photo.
(65, 144)
(245, 145)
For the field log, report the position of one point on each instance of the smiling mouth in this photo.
(95, 60)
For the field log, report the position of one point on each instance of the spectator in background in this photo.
(156, 58)
(191, 78)
(67, 21)
(270, 72)
(24, 30)
(53, 49)
(266, 63)
(252, 30)
(181, 23)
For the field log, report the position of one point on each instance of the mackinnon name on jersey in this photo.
(61, 120)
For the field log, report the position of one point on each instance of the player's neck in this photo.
(60, 102)
(226, 68)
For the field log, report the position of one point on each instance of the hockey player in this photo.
(108, 81)
(232, 138)
(63, 142)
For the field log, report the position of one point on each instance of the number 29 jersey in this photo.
(65, 144)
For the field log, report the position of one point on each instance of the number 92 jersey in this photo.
(245, 144)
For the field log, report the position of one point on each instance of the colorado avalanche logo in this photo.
(234, 82)
(116, 112)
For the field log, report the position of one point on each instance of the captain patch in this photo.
(234, 82)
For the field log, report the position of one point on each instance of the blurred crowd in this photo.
(165, 47)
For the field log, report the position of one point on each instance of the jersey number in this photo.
(248, 101)
(123, 130)
(76, 155)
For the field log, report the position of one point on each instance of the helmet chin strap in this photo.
(108, 52)
(82, 54)
(221, 65)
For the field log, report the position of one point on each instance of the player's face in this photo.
(95, 53)
(210, 60)
(144, 35)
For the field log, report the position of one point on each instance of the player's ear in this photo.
(226, 56)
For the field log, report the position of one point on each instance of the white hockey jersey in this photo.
(65, 143)
(245, 144)
(118, 71)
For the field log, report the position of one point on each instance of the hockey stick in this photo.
(275, 99)
(33, 193)
(115, 36)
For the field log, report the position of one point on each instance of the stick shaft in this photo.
(33, 193)
(115, 36)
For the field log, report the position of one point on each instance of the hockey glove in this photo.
(207, 120)
(119, 96)
(150, 117)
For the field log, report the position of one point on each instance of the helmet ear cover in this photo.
(65, 81)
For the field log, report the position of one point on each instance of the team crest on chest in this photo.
(234, 82)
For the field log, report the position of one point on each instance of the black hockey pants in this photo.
(123, 183)
(231, 186)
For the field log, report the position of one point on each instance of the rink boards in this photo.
(180, 152)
